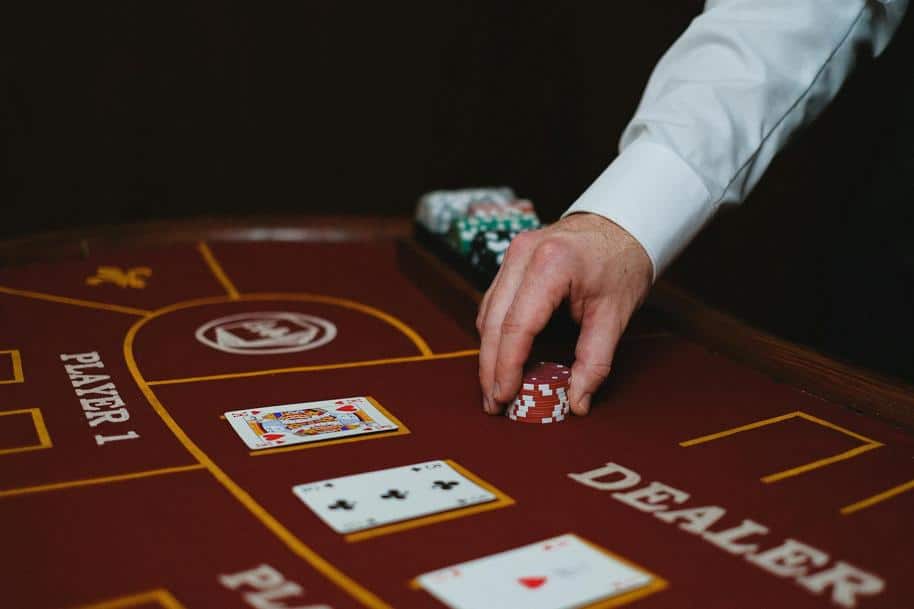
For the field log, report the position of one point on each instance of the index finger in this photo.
(541, 291)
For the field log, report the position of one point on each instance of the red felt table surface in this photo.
(157, 519)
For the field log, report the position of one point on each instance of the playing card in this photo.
(288, 424)
(364, 501)
(558, 573)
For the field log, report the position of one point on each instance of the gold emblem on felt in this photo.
(131, 278)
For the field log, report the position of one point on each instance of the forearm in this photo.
(722, 102)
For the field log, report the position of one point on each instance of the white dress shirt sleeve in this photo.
(722, 101)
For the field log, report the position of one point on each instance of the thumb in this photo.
(596, 346)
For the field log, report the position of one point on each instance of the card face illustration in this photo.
(372, 499)
(558, 573)
(289, 424)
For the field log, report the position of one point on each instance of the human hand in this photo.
(601, 270)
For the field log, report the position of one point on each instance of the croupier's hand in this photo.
(603, 272)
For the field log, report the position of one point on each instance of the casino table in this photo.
(734, 468)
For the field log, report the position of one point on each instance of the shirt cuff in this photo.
(655, 196)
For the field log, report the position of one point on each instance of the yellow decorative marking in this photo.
(89, 304)
(57, 486)
(868, 445)
(131, 278)
(656, 584)
(735, 430)
(802, 469)
(44, 439)
(878, 498)
(401, 430)
(837, 428)
(317, 367)
(501, 501)
(217, 270)
(16, 365)
(161, 596)
(338, 577)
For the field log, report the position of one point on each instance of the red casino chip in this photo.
(543, 397)
(539, 421)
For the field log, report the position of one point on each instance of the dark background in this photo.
(123, 112)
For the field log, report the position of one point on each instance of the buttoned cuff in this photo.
(655, 196)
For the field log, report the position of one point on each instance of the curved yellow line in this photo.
(349, 585)
(389, 319)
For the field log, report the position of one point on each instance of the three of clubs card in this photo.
(364, 501)
(272, 426)
(558, 573)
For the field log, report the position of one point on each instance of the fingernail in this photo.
(495, 392)
(584, 404)
(487, 403)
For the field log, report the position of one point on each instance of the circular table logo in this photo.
(266, 332)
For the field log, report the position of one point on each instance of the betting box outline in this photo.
(163, 597)
(15, 364)
(44, 438)
(868, 443)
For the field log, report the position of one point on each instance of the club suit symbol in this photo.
(394, 494)
(445, 486)
(341, 504)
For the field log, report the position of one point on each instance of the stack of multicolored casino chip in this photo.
(487, 251)
(543, 397)
(437, 210)
(463, 230)
(477, 223)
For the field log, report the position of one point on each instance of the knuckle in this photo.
(598, 369)
(481, 317)
(520, 245)
(490, 326)
(514, 327)
(594, 372)
(550, 253)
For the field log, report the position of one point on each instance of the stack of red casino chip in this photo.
(543, 396)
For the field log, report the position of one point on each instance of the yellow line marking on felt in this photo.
(161, 596)
(878, 498)
(57, 486)
(16, 364)
(338, 577)
(217, 270)
(869, 444)
(317, 367)
(44, 438)
(401, 430)
(656, 584)
(502, 500)
(89, 304)
(802, 469)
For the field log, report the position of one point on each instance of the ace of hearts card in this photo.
(288, 424)
(563, 572)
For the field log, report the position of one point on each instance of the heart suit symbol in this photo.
(531, 582)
